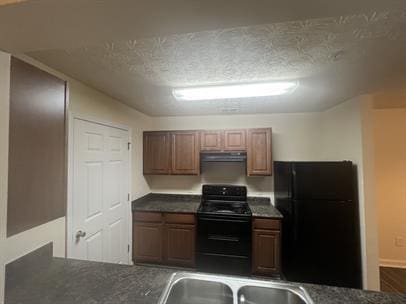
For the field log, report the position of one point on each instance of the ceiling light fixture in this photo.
(234, 91)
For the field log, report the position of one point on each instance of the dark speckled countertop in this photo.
(66, 281)
(156, 202)
(177, 203)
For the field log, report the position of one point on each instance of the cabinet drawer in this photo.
(177, 218)
(269, 224)
(151, 217)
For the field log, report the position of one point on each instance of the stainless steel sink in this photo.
(196, 288)
(264, 295)
(192, 291)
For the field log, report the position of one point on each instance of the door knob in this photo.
(80, 234)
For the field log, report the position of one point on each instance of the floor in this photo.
(393, 279)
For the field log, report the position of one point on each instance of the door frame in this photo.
(69, 210)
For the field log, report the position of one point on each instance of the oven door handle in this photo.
(224, 238)
(223, 220)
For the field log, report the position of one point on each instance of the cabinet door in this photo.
(266, 252)
(211, 140)
(180, 245)
(235, 140)
(157, 153)
(259, 152)
(148, 242)
(185, 153)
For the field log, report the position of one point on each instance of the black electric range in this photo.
(224, 230)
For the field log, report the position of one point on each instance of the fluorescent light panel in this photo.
(234, 91)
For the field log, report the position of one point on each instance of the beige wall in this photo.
(295, 137)
(4, 120)
(390, 166)
(345, 136)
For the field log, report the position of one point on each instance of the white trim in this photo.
(69, 211)
(392, 263)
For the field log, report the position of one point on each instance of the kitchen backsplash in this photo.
(212, 173)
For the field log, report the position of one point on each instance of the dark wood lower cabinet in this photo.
(147, 245)
(266, 247)
(170, 239)
(180, 245)
(164, 238)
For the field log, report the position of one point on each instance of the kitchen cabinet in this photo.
(266, 247)
(180, 245)
(235, 140)
(174, 153)
(211, 140)
(185, 153)
(148, 242)
(164, 238)
(178, 152)
(157, 153)
(259, 152)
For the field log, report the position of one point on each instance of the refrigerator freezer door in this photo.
(323, 181)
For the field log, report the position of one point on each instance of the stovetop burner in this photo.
(224, 200)
(224, 207)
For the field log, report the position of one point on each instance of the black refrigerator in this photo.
(320, 226)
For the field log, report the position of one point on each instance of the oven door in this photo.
(224, 235)
(224, 244)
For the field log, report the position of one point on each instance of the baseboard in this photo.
(392, 263)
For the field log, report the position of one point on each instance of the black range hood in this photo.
(223, 157)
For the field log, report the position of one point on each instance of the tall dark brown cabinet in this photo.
(37, 148)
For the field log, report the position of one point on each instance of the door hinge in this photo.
(128, 197)
(128, 248)
(129, 146)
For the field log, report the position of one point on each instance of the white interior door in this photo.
(100, 193)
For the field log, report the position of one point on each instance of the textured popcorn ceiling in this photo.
(333, 59)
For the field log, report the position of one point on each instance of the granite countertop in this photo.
(179, 203)
(70, 281)
(262, 207)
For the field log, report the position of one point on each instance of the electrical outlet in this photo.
(399, 241)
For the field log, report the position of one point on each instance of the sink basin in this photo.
(264, 295)
(196, 288)
(192, 291)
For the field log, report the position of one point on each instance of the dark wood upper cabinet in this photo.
(235, 140)
(178, 152)
(157, 153)
(211, 140)
(259, 152)
(37, 148)
(185, 152)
